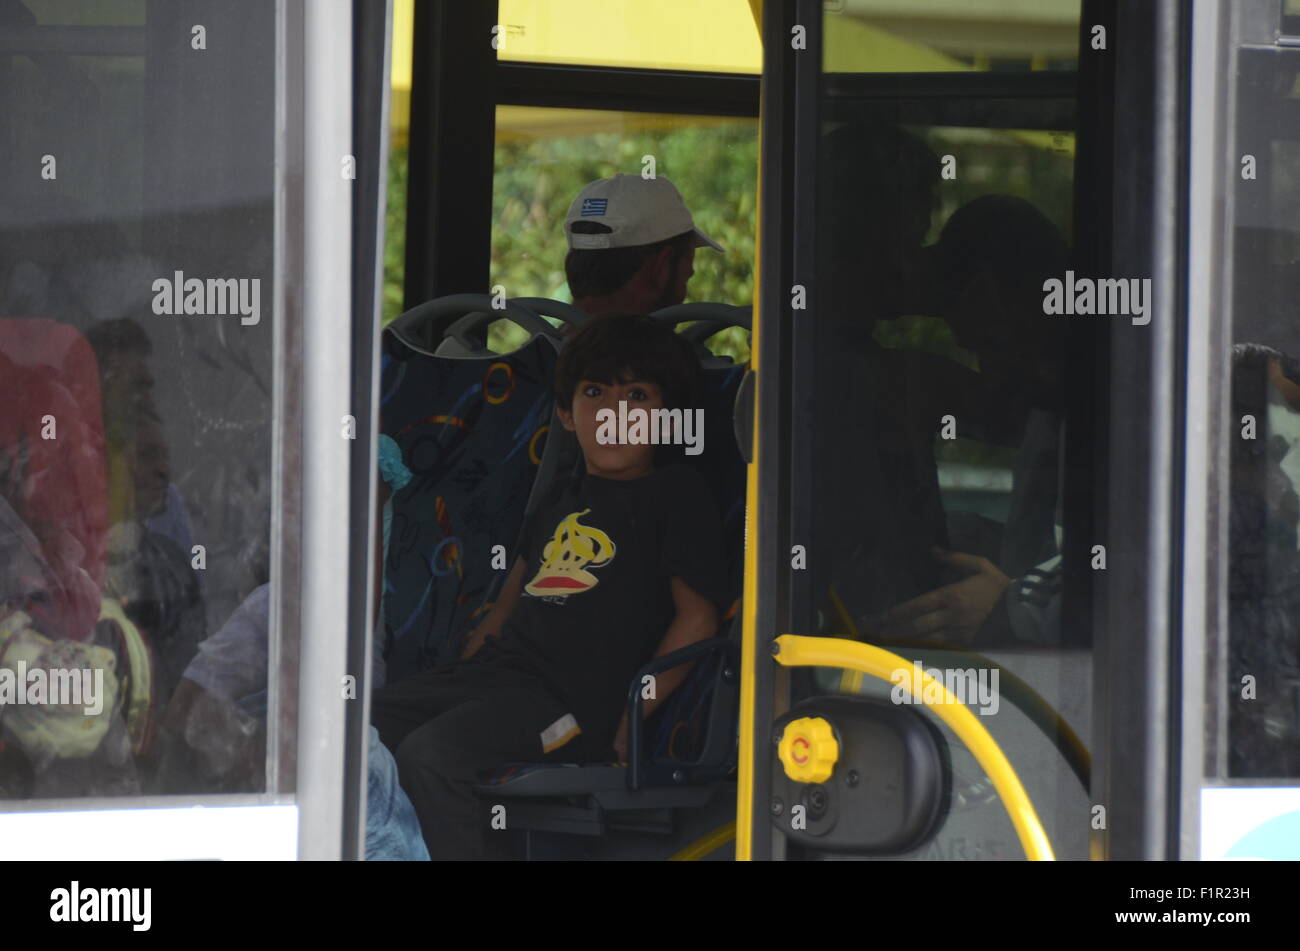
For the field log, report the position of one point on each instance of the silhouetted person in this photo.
(984, 276)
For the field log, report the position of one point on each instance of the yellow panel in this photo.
(399, 109)
(403, 31)
(854, 46)
(709, 35)
(924, 36)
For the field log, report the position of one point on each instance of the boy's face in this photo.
(611, 460)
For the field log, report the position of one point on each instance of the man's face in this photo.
(676, 274)
(611, 460)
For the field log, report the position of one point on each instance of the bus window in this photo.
(138, 322)
(1255, 670)
(544, 157)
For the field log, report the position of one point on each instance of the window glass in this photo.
(136, 345)
(1257, 730)
(715, 36)
(544, 158)
(939, 36)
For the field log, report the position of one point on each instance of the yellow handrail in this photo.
(706, 844)
(796, 651)
(1026, 698)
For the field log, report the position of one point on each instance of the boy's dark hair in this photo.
(594, 273)
(621, 347)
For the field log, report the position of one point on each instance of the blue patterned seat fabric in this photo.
(472, 433)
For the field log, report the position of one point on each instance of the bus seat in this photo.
(707, 319)
(690, 749)
(474, 428)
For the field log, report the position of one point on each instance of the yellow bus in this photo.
(998, 374)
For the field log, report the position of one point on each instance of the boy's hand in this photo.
(500, 611)
(473, 641)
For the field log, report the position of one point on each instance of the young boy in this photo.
(620, 564)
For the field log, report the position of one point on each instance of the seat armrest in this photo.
(637, 756)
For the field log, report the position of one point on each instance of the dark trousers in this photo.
(447, 725)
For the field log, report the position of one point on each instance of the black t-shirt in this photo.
(597, 597)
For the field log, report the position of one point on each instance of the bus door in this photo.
(947, 612)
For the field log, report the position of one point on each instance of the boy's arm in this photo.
(500, 611)
(696, 620)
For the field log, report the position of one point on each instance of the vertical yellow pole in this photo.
(750, 657)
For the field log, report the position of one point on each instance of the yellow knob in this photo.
(808, 750)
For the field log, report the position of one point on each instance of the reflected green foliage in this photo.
(395, 235)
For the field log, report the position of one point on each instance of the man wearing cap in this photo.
(632, 244)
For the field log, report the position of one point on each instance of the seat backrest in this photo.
(473, 433)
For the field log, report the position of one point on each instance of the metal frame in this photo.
(286, 406)
(626, 90)
(1087, 390)
(449, 182)
(327, 359)
(1055, 84)
(1138, 611)
(1044, 100)
(765, 686)
(1207, 428)
(371, 52)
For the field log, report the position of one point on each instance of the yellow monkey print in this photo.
(567, 555)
